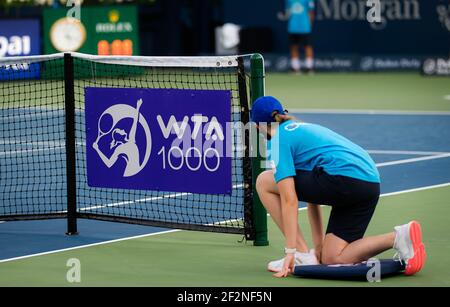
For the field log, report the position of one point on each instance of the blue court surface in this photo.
(412, 151)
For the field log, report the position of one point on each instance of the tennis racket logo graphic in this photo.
(123, 143)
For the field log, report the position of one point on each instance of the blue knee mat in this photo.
(358, 271)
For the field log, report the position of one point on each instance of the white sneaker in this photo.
(409, 246)
(300, 259)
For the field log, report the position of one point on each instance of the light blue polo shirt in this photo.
(299, 22)
(303, 146)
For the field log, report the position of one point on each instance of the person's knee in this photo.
(331, 254)
(332, 249)
(328, 258)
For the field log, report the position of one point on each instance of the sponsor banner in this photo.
(116, 31)
(338, 62)
(19, 37)
(389, 63)
(281, 63)
(419, 27)
(158, 139)
(436, 67)
(110, 30)
(333, 63)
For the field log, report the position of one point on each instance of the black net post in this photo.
(70, 145)
(249, 228)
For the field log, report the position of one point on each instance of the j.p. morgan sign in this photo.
(351, 10)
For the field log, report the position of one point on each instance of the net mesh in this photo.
(33, 155)
(32, 142)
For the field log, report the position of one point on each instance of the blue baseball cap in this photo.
(263, 108)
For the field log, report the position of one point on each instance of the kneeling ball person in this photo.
(314, 164)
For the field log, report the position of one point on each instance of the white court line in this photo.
(401, 192)
(47, 115)
(88, 245)
(62, 144)
(406, 152)
(177, 230)
(291, 110)
(225, 222)
(130, 202)
(412, 160)
(36, 143)
(25, 151)
(365, 112)
(416, 189)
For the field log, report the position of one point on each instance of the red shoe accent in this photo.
(416, 263)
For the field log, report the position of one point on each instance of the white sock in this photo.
(295, 64)
(308, 258)
(309, 63)
(299, 254)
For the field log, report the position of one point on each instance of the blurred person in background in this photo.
(300, 15)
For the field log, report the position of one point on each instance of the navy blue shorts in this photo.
(300, 39)
(353, 201)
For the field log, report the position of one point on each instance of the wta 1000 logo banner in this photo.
(158, 139)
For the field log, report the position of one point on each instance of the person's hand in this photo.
(288, 266)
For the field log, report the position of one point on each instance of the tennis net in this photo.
(45, 149)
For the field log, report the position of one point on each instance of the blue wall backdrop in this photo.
(408, 27)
